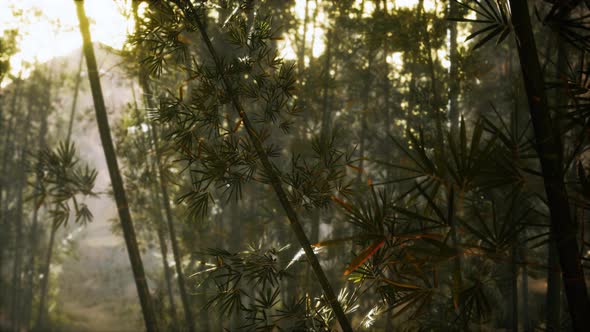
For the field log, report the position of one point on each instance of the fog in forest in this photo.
(306, 165)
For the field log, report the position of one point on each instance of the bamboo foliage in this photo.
(423, 192)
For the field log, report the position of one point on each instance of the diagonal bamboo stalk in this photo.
(270, 169)
(116, 180)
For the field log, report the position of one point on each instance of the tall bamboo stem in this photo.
(549, 147)
(116, 180)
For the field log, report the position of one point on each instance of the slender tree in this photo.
(454, 68)
(154, 194)
(45, 108)
(163, 189)
(549, 147)
(116, 180)
(18, 228)
(5, 185)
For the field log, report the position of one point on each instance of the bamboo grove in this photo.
(310, 165)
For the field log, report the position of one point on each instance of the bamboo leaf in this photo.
(400, 285)
(488, 37)
(363, 256)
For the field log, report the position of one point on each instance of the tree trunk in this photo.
(8, 145)
(513, 289)
(274, 178)
(325, 129)
(17, 262)
(364, 112)
(116, 180)
(163, 248)
(453, 70)
(75, 99)
(167, 274)
(164, 192)
(18, 226)
(553, 297)
(435, 99)
(524, 289)
(154, 192)
(186, 304)
(302, 44)
(33, 238)
(554, 285)
(549, 147)
(457, 276)
(44, 287)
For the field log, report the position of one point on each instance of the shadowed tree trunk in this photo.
(554, 285)
(18, 226)
(186, 304)
(549, 148)
(148, 98)
(453, 70)
(167, 274)
(435, 98)
(1, 190)
(33, 238)
(75, 99)
(457, 276)
(301, 50)
(116, 180)
(41, 324)
(524, 288)
(553, 299)
(513, 289)
(8, 145)
(365, 94)
(325, 129)
(154, 195)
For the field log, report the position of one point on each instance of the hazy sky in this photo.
(49, 28)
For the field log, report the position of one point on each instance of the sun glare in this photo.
(49, 29)
(429, 5)
(315, 33)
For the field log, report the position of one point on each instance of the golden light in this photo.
(396, 59)
(443, 56)
(464, 29)
(314, 31)
(367, 7)
(49, 29)
(299, 9)
(286, 49)
(429, 5)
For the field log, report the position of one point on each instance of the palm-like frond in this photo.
(493, 15)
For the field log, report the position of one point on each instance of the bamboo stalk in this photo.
(549, 148)
(116, 180)
(275, 181)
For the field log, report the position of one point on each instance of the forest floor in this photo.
(97, 293)
(100, 317)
